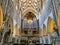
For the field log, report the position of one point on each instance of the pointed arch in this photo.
(30, 10)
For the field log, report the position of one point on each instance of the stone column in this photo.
(40, 40)
(59, 31)
(38, 24)
(21, 24)
(55, 13)
(49, 40)
(43, 39)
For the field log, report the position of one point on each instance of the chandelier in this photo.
(30, 21)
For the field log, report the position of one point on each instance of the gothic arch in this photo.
(6, 37)
(30, 10)
(6, 34)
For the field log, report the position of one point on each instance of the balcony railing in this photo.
(56, 41)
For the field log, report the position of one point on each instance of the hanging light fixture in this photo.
(30, 17)
(30, 21)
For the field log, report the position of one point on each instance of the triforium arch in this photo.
(51, 25)
(8, 28)
(44, 30)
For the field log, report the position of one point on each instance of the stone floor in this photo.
(26, 44)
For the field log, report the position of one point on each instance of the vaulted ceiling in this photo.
(29, 5)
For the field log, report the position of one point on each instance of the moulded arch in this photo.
(30, 10)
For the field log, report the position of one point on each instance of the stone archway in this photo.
(7, 32)
(6, 37)
(30, 10)
(30, 14)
